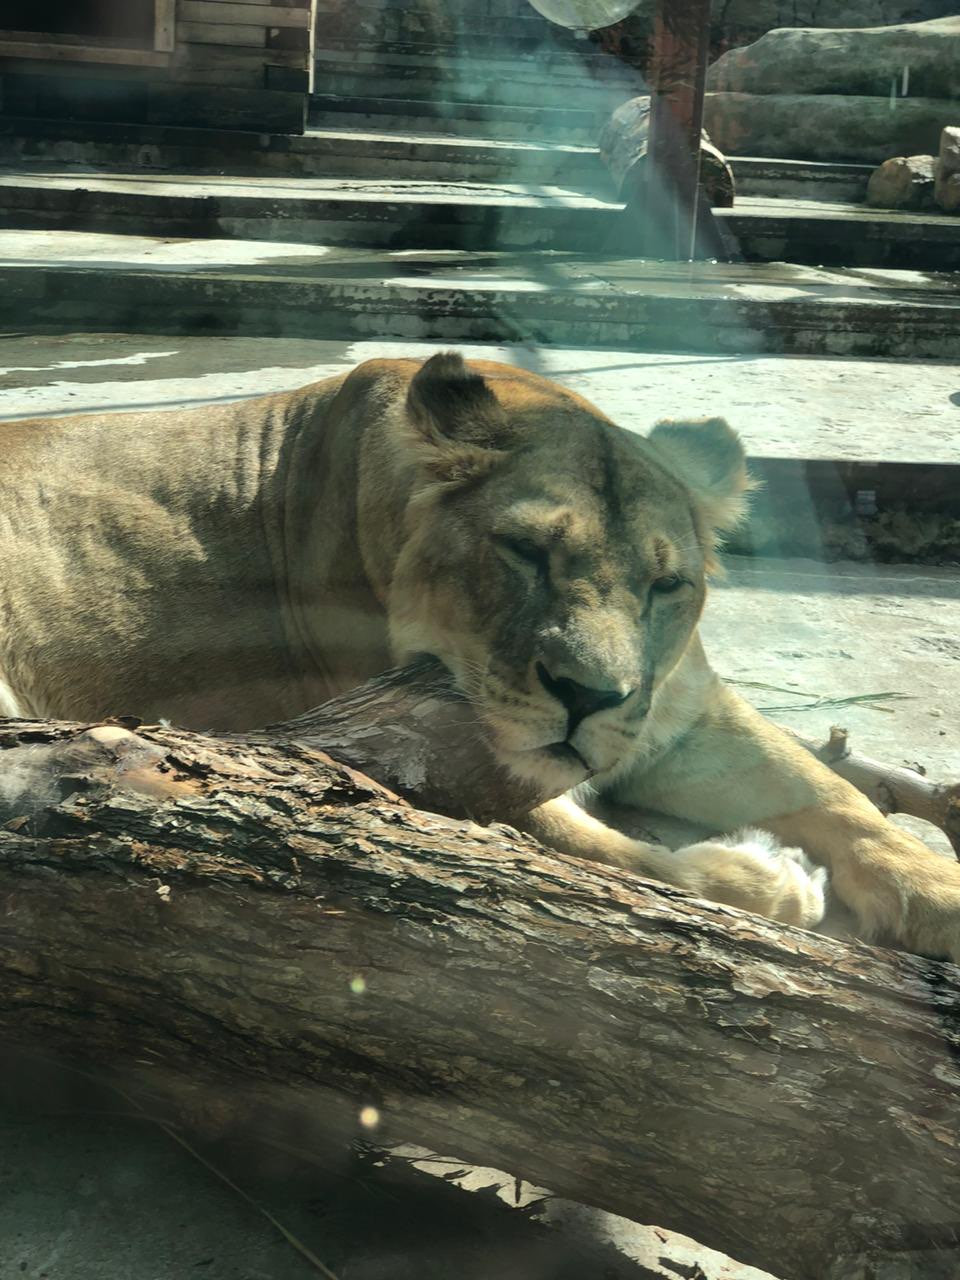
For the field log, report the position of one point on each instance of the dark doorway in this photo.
(126, 22)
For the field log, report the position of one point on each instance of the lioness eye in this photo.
(667, 585)
(536, 557)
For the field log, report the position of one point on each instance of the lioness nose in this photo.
(579, 699)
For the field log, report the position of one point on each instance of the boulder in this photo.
(826, 126)
(915, 60)
(903, 182)
(947, 188)
(623, 148)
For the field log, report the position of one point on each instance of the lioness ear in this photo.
(456, 416)
(708, 457)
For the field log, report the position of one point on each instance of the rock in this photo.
(623, 148)
(947, 189)
(948, 197)
(903, 182)
(826, 126)
(916, 60)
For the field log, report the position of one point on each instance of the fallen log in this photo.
(284, 934)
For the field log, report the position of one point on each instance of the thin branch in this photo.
(892, 788)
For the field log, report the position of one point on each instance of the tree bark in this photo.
(286, 935)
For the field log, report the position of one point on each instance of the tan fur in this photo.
(232, 565)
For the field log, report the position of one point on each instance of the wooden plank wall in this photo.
(245, 64)
(254, 58)
(244, 44)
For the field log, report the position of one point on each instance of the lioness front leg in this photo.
(733, 768)
(750, 871)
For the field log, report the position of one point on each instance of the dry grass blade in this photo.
(304, 1250)
(142, 1113)
(817, 701)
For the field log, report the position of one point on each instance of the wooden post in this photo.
(164, 26)
(678, 72)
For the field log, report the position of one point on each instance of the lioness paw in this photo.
(750, 870)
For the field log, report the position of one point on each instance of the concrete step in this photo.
(441, 157)
(836, 233)
(83, 279)
(814, 428)
(575, 60)
(574, 125)
(408, 214)
(313, 211)
(340, 151)
(345, 150)
(800, 179)
(391, 25)
(515, 82)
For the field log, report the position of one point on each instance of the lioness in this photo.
(229, 566)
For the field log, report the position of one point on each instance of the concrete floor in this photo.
(88, 1196)
(86, 1193)
(784, 406)
(825, 633)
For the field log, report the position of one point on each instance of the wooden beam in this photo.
(242, 14)
(222, 34)
(231, 64)
(53, 52)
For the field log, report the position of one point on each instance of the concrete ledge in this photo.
(406, 115)
(778, 178)
(341, 150)
(80, 279)
(340, 211)
(399, 213)
(355, 151)
(594, 86)
(840, 234)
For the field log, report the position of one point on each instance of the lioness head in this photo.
(555, 562)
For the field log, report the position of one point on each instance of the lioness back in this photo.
(139, 558)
